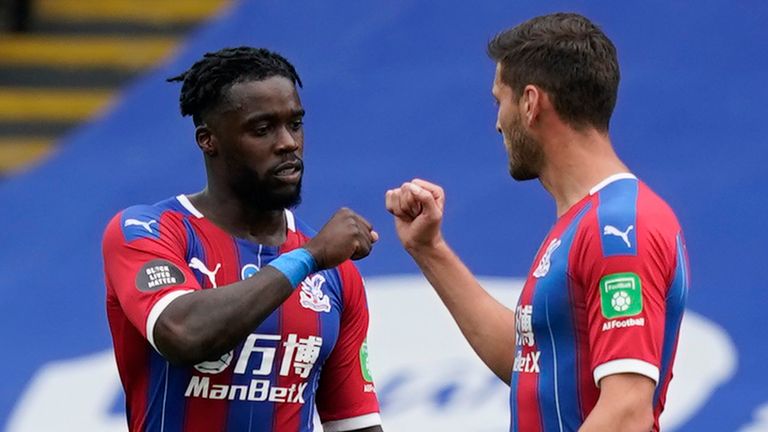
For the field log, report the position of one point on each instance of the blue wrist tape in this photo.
(295, 265)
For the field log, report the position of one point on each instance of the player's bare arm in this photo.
(206, 323)
(487, 324)
(625, 405)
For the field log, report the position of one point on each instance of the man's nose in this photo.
(287, 141)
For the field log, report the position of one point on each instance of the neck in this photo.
(235, 216)
(576, 161)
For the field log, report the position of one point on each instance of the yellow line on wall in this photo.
(23, 104)
(158, 11)
(16, 152)
(83, 51)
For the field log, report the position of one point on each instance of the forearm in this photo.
(204, 324)
(625, 405)
(618, 420)
(487, 325)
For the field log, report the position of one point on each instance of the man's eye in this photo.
(297, 124)
(261, 130)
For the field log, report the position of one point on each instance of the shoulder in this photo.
(654, 213)
(632, 200)
(145, 221)
(617, 202)
(627, 217)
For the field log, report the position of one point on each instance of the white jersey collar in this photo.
(187, 204)
(611, 179)
(290, 220)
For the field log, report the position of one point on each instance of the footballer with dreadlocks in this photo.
(226, 315)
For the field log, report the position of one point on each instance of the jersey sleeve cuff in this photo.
(618, 366)
(157, 309)
(353, 423)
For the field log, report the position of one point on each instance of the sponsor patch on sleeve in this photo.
(157, 274)
(364, 368)
(621, 295)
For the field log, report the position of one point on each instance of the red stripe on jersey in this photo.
(293, 240)
(528, 412)
(294, 319)
(205, 415)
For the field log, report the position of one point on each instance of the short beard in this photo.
(262, 195)
(264, 198)
(526, 157)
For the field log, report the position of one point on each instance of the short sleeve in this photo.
(625, 294)
(144, 264)
(346, 396)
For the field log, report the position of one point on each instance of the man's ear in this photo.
(531, 104)
(206, 140)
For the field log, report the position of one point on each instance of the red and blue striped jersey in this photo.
(310, 352)
(605, 295)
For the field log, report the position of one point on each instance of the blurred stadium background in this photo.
(393, 90)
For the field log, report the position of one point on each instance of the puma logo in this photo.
(198, 265)
(146, 225)
(612, 230)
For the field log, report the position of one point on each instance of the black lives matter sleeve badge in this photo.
(157, 274)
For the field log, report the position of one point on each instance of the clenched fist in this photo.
(346, 235)
(418, 209)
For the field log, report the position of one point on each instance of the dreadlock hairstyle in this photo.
(208, 80)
